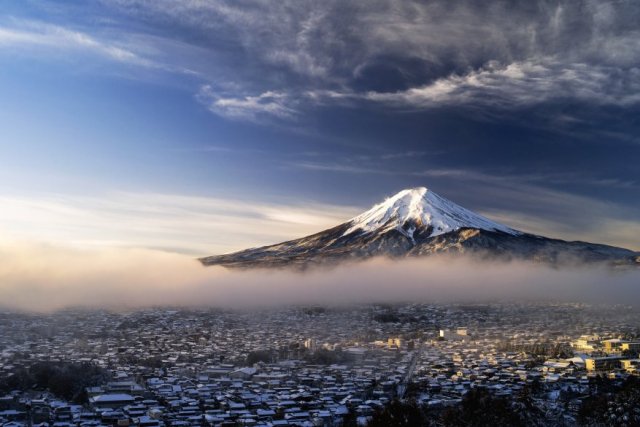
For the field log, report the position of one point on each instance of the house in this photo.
(111, 401)
(243, 373)
(602, 363)
(631, 365)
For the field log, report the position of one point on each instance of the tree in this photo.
(63, 379)
(480, 408)
(258, 356)
(350, 419)
(399, 414)
(612, 403)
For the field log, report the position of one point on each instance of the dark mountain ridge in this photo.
(415, 223)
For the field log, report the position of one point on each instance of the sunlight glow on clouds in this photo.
(189, 224)
(201, 226)
(43, 278)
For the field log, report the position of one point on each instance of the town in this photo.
(312, 365)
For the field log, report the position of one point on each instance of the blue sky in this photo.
(207, 126)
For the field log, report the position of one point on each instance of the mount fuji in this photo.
(418, 222)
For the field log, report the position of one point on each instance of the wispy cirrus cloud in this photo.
(339, 167)
(58, 38)
(494, 85)
(274, 34)
(147, 52)
(253, 108)
(533, 178)
(522, 84)
(518, 84)
(282, 58)
(435, 53)
(189, 224)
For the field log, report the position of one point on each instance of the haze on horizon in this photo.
(205, 127)
(45, 278)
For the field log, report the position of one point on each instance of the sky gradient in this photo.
(209, 126)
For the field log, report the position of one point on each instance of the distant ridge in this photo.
(418, 222)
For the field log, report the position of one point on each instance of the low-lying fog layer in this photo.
(44, 278)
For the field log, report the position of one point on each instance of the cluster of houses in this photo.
(310, 366)
(614, 355)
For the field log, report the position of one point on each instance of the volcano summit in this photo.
(418, 222)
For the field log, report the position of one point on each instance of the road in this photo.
(402, 387)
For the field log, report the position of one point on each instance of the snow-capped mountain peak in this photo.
(420, 208)
(417, 222)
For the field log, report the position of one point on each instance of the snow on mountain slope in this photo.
(418, 222)
(421, 208)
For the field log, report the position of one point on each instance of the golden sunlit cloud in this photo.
(187, 224)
